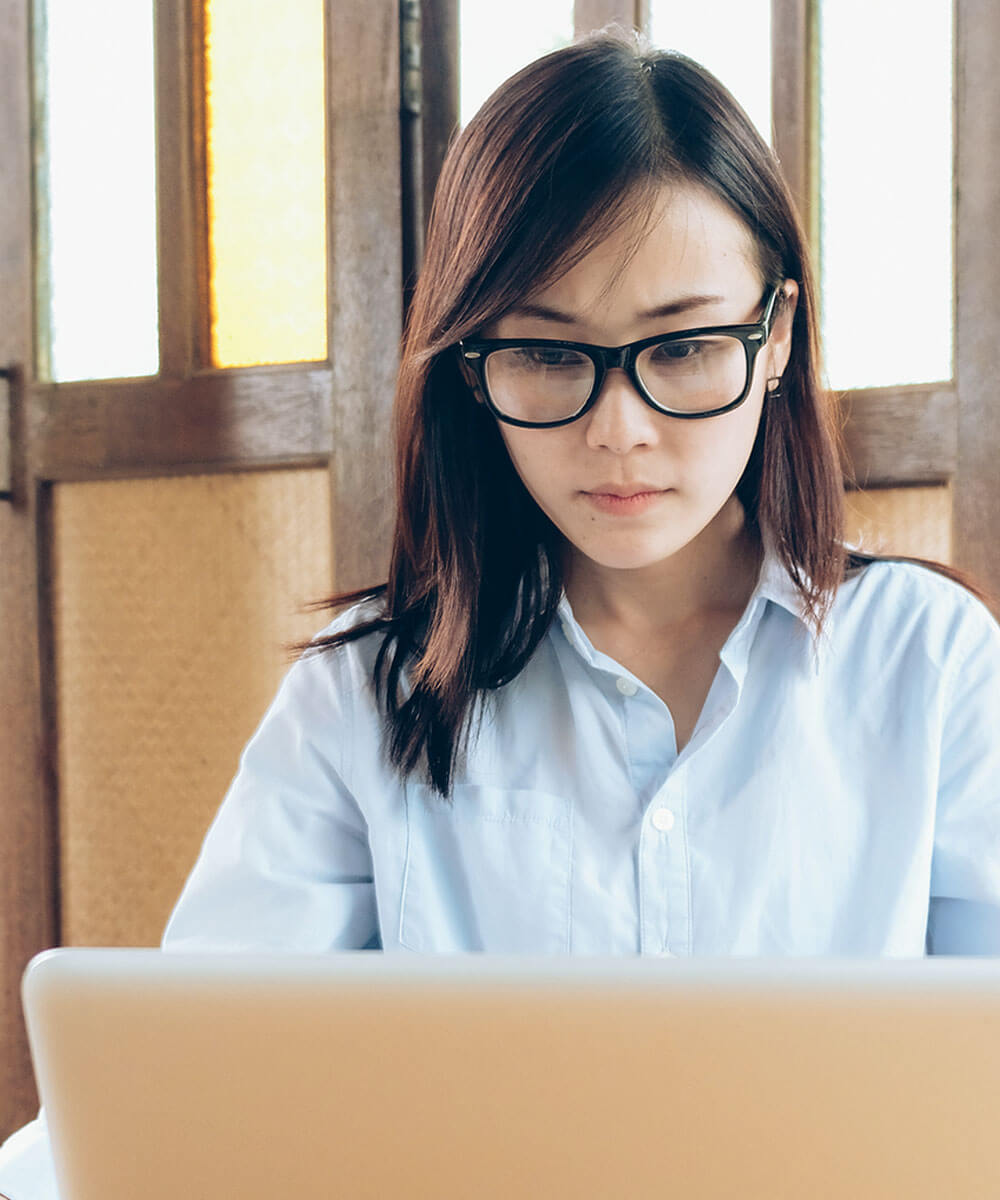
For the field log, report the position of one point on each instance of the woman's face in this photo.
(626, 485)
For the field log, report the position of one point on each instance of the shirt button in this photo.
(663, 820)
(626, 686)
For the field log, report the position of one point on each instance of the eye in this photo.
(678, 351)
(548, 356)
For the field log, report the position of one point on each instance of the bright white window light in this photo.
(97, 190)
(732, 38)
(499, 39)
(886, 193)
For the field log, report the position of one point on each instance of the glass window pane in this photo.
(96, 189)
(732, 38)
(886, 193)
(266, 158)
(498, 40)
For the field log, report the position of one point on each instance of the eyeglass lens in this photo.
(550, 383)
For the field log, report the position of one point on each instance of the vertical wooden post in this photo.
(28, 853)
(177, 103)
(595, 14)
(364, 236)
(976, 494)
(794, 112)
(440, 80)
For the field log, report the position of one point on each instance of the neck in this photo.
(714, 573)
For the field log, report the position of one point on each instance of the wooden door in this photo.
(211, 436)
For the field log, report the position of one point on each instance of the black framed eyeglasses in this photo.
(539, 383)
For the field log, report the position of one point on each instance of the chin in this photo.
(635, 558)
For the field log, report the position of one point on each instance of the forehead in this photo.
(687, 242)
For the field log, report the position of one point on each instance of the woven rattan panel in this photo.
(172, 601)
(913, 520)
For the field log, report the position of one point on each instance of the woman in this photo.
(625, 690)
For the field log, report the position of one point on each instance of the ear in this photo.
(779, 344)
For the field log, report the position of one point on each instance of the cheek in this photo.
(536, 455)
(712, 454)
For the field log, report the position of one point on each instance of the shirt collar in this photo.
(574, 634)
(774, 585)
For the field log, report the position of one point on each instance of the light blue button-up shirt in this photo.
(838, 796)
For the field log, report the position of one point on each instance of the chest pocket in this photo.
(491, 871)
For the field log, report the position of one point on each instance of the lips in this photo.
(623, 491)
(625, 500)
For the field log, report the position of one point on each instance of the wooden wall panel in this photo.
(914, 521)
(172, 601)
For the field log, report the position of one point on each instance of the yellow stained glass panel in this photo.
(266, 160)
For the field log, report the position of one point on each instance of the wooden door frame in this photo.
(976, 483)
(189, 418)
(28, 896)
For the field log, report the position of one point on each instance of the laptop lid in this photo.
(366, 1075)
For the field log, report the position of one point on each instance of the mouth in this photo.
(624, 491)
(625, 500)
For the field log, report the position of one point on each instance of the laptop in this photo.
(479, 1077)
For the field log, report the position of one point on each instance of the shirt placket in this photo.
(662, 861)
(664, 878)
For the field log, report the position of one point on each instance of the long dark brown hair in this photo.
(565, 152)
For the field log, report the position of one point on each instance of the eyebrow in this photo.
(544, 313)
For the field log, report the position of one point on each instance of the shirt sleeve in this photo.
(964, 916)
(286, 864)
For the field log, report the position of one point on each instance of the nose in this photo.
(620, 420)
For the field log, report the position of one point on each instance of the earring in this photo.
(774, 387)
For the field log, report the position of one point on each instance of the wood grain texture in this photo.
(977, 289)
(28, 849)
(365, 279)
(589, 15)
(257, 417)
(15, 184)
(411, 144)
(900, 436)
(429, 120)
(915, 521)
(440, 89)
(794, 112)
(176, 199)
(28, 904)
(6, 439)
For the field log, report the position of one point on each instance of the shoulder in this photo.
(890, 604)
(346, 647)
(331, 683)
